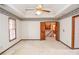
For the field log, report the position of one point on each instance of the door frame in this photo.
(73, 30)
(57, 30)
(42, 37)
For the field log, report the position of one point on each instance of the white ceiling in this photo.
(52, 7)
(56, 10)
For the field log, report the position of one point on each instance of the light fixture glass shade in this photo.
(38, 12)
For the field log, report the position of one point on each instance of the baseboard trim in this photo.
(75, 48)
(9, 47)
(30, 39)
(65, 44)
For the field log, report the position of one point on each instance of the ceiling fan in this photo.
(39, 9)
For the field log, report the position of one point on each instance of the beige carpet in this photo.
(36, 47)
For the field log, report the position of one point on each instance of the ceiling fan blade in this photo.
(29, 9)
(46, 10)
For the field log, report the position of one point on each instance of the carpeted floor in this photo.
(36, 47)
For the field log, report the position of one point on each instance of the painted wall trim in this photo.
(72, 13)
(5, 12)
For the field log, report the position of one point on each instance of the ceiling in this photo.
(56, 10)
(52, 7)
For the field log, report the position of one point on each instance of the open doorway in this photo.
(49, 29)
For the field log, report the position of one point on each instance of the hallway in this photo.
(37, 47)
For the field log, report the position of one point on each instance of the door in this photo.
(48, 25)
(57, 31)
(75, 31)
(42, 30)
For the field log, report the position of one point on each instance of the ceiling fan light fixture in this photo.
(39, 7)
(38, 12)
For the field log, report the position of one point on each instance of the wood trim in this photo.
(47, 25)
(42, 30)
(10, 47)
(30, 39)
(57, 31)
(73, 31)
(76, 16)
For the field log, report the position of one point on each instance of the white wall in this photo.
(66, 30)
(30, 29)
(76, 41)
(4, 33)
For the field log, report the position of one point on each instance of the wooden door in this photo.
(75, 31)
(57, 31)
(47, 25)
(42, 30)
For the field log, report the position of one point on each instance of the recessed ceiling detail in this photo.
(22, 10)
(39, 9)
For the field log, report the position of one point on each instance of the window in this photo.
(12, 29)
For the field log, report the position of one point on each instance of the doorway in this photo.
(75, 31)
(49, 29)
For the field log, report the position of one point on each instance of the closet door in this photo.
(42, 30)
(76, 41)
(75, 32)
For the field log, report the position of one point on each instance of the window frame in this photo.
(9, 28)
